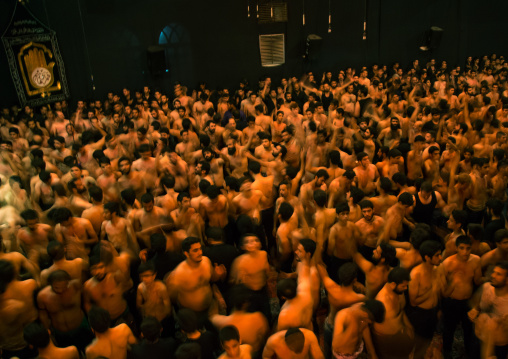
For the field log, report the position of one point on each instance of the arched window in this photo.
(176, 41)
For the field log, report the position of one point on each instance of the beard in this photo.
(394, 127)
(232, 151)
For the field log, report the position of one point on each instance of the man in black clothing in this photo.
(164, 261)
(497, 221)
(190, 333)
(152, 346)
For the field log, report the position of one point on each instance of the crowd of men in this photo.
(156, 226)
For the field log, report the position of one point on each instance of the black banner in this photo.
(34, 59)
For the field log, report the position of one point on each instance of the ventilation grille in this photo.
(272, 50)
(272, 11)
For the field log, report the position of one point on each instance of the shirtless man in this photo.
(75, 267)
(189, 284)
(489, 315)
(475, 206)
(60, 311)
(237, 161)
(118, 230)
(366, 173)
(111, 343)
(371, 226)
(95, 213)
(339, 297)
(152, 298)
(129, 178)
(248, 200)
(394, 337)
(351, 329)
(35, 236)
(214, 208)
(431, 165)
(105, 290)
(424, 296)
(297, 309)
(396, 216)
(107, 180)
(149, 220)
(324, 219)
(168, 201)
(414, 159)
(173, 165)
(460, 273)
(384, 200)
(146, 165)
(262, 120)
(75, 233)
(344, 237)
(294, 343)
(185, 218)
(16, 310)
(39, 338)
(500, 253)
(307, 190)
(284, 238)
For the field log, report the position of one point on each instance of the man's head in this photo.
(36, 335)
(99, 319)
(375, 309)
(151, 329)
(31, 218)
(398, 280)
(499, 275)
(367, 208)
(385, 254)
(59, 281)
(250, 242)
(463, 244)
(124, 165)
(286, 289)
(147, 202)
(342, 211)
(295, 340)
(457, 220)
(147, 273)
(348, 274)
(501, 239)
(191, 247)
(230, 340)
(305, 250)
(431, 252)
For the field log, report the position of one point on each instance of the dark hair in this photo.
(322, 173)
(476, 231)
(429, 248)
(348, 273)
(460, 217)
(62, 214)
(462, 240)
(129, 196)
(187, 320)
(151, 328)
(183, 195)
(308, 245)
(366, 204)
(254, 167)
(36, 335)
(240, 296)
(168, 181)
(56, 250)
(95, 193)
(389, 254)
(229, 332)
(502, 264)
(500, 235)
(146, 267)
(342, 207)
(188, 242)
(147, 198)
(376, 309)
(406, 199)
(398, 275)
(58, 276)
(212, 192)
(112, 207)
(320, 197)
(418, 236)
(287, 288)
(399, 178)
(29, 214)
(7, 274)
(99, 319)
(495, 205)
(203, 186)
(385, 184)
(286, 210)
(188, 351)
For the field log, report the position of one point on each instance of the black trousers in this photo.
(455, 312)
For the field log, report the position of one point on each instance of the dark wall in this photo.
(219, 44)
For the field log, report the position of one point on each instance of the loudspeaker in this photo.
(156, 59)
(436, 33)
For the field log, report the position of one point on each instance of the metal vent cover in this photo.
(272, 50)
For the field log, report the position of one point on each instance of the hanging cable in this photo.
(303, 12)
(86, 44)
(248, 8)
(329, 16)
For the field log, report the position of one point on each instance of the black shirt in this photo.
(163, 349)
